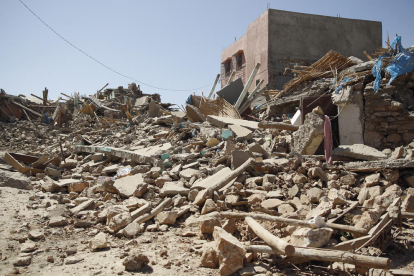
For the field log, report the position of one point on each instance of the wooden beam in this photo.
(246, 88)
(214, 86)
(326, 255)
(232, 74)
(28, 109)
(303, 223)
(274, 242)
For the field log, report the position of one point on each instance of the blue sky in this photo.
(168, 44)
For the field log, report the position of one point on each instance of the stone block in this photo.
(308, 237)
(309, 136)
(231, 252)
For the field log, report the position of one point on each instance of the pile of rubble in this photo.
(258, 195)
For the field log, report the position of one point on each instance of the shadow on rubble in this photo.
(146, 269)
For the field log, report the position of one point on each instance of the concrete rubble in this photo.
(121, 164)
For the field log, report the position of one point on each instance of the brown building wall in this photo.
(279, 39)
(253, 46)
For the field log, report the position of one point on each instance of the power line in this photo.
(107, 67)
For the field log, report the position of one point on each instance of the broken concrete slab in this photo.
(231, 252)
(194, 114)
(127, 185)
(241, 133)
(359, 151)
(232, 91)
(143, 156)
(309, 136)
(154, 110)
(15, 180)
(239, 157)
(210, 180)
(372, 166)
(188, 173)
(224, 121)
(172, 188)
(255, 147)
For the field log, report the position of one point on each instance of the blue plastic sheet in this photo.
(46, 120)
(402, 64)
(189, 100)
(376, 72)
(397, 42)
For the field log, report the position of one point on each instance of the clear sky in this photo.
(164, 43)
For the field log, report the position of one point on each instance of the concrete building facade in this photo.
(280, 39)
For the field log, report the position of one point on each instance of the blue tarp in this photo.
(189, 100)
(397, 41)
(400, 65)
(376, 72)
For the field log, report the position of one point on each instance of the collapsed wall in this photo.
(389, 115)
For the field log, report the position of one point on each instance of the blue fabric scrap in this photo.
(189, 100)
(397, 42)
(401, 64)
(345, 80)
(376, 72)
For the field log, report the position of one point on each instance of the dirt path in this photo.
(24, 211)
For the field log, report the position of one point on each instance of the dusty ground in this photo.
(23, 211)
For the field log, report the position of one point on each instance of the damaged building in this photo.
(280, 39)
(317, 180)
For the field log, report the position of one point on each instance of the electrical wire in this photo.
(107, 67)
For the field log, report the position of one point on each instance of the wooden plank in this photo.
(16, 164)
(24, 157)
(317, 254)
(275, 242)
(353, 205)
(351, 244)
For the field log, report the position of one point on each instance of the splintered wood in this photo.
(218, 107)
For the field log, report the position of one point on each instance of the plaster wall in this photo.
(350, 126)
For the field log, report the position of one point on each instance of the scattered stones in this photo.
(372, 180)
(98, 242)
(56, 221)
(22, 261)
(36, 234)
(135, 261)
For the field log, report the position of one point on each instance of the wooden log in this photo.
(277, 125)
(45, 95)
(287, 221)
(41, 106)
(66, 95)
(303, 223)
(27, 116)
(167, 202)
(407, 214)
(232, 175)
(328, 256)
(275, 242)
(28, 109)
